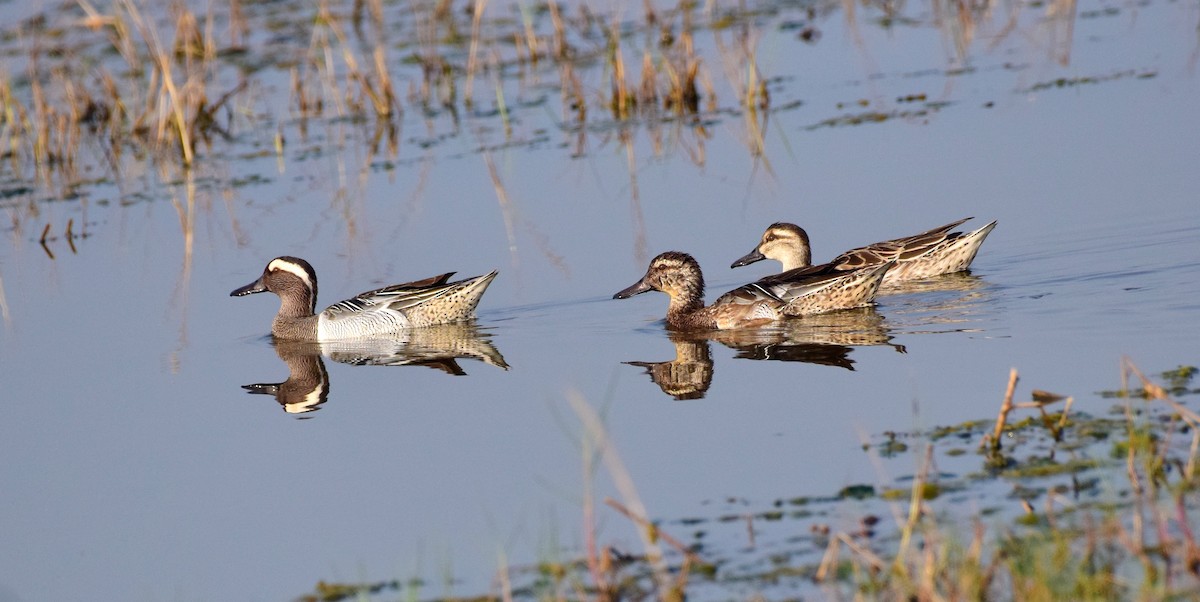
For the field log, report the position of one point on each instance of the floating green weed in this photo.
(1065, 525)
(1045, 467)
(929, 491)
(857, 492)
(873, 117)
(1070, 82)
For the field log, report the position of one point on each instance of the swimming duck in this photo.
(810, 290)
(393, 308)
(931, 253)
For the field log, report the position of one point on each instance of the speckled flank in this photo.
(737, 316)
(454, 305)
(951, 256)
(856, 289)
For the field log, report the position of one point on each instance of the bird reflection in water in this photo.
(948, 303)
(824, 339)
(307, 385)
(964, 282)
(689, 374)
(439, 347)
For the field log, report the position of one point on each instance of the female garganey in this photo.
(937, 251)
(811, 290)
(387, 310)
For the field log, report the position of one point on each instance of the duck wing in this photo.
(430, 281)
(396, 296)
(785, 286)
(898, 249)
(748, 294)
(787, 290)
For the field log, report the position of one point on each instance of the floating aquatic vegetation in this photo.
(875, 117)
(1096, 520)
(1070, 82)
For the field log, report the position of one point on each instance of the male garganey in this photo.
(937, 251)
(812, 290)
(379, 312)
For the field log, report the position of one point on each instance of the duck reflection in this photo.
(439, 347)
(961, 282)
(823, 339)
(862, 327)
(689, 374)
(948, 303)
(307, 385)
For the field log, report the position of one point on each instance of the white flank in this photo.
(323, 329)
(360, 324)
(287, 266)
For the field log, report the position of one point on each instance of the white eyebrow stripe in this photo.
(287, 266)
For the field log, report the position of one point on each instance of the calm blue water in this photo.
(138, 467)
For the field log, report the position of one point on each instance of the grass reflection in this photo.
(174, 86)
(1053, 504)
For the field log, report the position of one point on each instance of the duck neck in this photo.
(685, 302)
(800, 258)
(297, 304)
(303, 328)
(295, 319)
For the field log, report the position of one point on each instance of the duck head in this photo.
(676, 274)
(785, 243)
(292, 278)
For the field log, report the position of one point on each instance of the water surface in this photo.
(139, 468)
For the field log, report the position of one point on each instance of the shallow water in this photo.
(139, 468)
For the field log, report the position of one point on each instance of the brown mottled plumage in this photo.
(931, 253)
(810, 290)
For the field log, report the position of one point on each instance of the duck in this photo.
(388, 310)
(307, 384)
(931, 253)
(816, 289)
(689, 375)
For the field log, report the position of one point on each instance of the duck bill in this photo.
(748, 259)
(263, 388)
(254, 287)
(636, 289)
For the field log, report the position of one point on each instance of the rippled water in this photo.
(138, 467)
